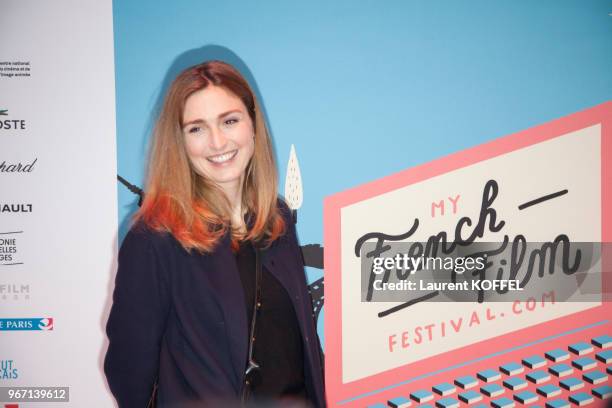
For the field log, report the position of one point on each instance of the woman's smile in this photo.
(223, 158)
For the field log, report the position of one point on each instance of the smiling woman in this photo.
(210, 305)
(194, 182)
(219, 139)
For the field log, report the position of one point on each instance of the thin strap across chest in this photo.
(252, 364)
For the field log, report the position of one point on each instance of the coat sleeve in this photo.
(136, 322)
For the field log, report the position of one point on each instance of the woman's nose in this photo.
(218, 140)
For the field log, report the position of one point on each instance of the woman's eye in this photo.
(194, 129)
(231, 121)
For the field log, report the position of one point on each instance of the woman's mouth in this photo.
(222, 158)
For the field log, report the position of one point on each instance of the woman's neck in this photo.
(237, 212)
(234, 196)
(238, 217)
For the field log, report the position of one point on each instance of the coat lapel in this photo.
(280, 262)
(226, 279)
(276, 261)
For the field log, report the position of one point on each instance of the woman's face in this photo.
(218, 136)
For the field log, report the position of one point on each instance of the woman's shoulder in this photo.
(286, 213)
(284, 209)
(141, 236)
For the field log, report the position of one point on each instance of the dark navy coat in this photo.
(182, 317)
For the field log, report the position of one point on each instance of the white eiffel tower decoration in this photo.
(293, 182)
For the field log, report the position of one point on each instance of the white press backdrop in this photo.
(67, 246)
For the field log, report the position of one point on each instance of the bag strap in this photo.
(252, 364)
(153, 400)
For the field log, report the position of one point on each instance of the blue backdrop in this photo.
(365, 89)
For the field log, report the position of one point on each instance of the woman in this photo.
(210, 303)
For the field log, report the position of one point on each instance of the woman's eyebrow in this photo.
(195, 121)
(228, 112)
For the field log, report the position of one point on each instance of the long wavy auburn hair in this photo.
(190, 206)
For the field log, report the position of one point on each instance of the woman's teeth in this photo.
(222, 157)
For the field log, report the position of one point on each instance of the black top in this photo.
(278, 345)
